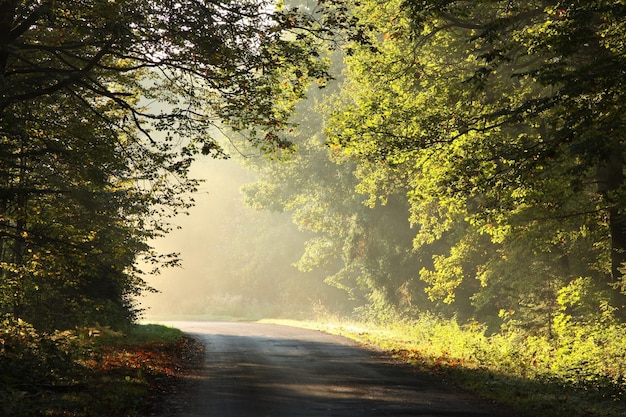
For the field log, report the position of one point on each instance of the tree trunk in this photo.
(7, 20)
(617, 219)
(610, 180)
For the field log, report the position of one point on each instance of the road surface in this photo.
(264, 370)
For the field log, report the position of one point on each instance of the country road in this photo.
(264, 370)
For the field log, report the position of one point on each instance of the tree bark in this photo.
(617, 222)
(611, 179)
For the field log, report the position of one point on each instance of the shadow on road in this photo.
(257, 370)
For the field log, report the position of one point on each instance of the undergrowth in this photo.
(87, 372)
(579, 370)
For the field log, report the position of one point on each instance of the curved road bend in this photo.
(264, 370)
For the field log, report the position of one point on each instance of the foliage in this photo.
(103, 107)
(581, 372)
(30, 358)
(89, 372)
(360, 248)
(481, 111)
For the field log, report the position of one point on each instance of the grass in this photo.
(91, 372)
(96, 372)
(581, 373)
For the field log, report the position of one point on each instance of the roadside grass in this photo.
(90, 372)
(580, 371)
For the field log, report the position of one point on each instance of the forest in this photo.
(464, 160)
(442, 161)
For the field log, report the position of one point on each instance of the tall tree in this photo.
(503, 118)
(362, 248)
(103, 105)
(562, 64)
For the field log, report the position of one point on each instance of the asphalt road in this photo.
(264, 370)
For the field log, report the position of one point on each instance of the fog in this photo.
(236, 261)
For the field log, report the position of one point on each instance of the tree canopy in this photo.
(483, 140)
(504, 118)
(103, 106)
(497, 126)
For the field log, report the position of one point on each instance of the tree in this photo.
(103, 106)
(503, 119)
(562, 64)
(363, 249)
(230, 58)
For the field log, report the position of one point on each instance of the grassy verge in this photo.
(90, 372)
(581, 373)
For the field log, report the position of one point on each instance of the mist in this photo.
(236, 261)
